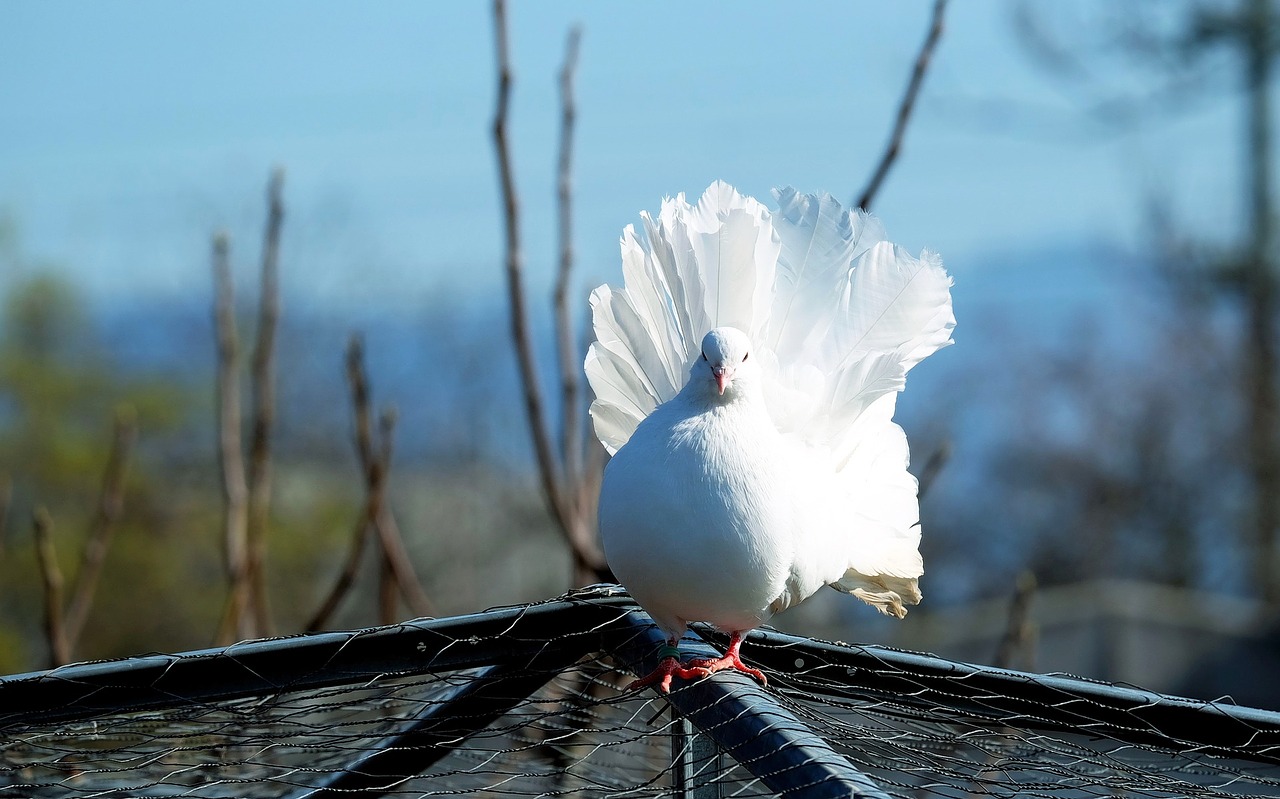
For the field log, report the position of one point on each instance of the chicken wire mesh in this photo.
(527, 702)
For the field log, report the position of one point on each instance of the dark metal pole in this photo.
(544, 637)
(747, 723)
(444, 726)
(696, 764)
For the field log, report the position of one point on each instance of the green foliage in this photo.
(58, 396)
(163, 584)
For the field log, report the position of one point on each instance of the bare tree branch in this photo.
(548, 469)
(51, 576)
(373, 490)
(388, 581)
(110, 506)
(264, 405)
(1020, 631)
(358, 380)
(565, 508)
(375, 462)
(394, 554)
(346, 577)
(906, 106)
(235, 490)
(592, 567)
(395, 568)
(1255, 32)
(396, 571)
(933, 466)
(6, 500)
(570, 363)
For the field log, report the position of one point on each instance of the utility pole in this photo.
(1249, 30)
(1256, 41)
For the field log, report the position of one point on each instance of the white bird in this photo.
(745, 378)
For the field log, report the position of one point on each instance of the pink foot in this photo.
(731, 660)
(668, 668)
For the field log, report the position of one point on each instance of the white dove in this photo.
(745, 379)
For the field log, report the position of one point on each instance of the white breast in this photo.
(698, 516)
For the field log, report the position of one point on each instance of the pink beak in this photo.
(723, 375)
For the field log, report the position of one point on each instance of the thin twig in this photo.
(588, 500)
(1020, 631)
(387, 577)
(394, 562)
(548, 469)
(6, 500)
(397, 557)
(358, 380)
(264, 405)
(907, 105)
(570, 363)
(388, 580)
(368, 515)
(346, 577)
(51, 576)
(394, 553)
(110, 506)
(578, 530)
(933, 466)
(375, 463)
(230, 455)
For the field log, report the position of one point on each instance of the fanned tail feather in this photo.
(838, 316)
(696, 268)
(736, 249)
(818, 244)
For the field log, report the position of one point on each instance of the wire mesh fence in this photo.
(527, 702)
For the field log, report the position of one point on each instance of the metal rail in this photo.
(1056, 702)
(542, 637)
(523, 647)
(748, 723)
(433, 734)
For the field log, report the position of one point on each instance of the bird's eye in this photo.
(745, 357)
(704, 356)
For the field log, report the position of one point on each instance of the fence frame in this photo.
(519, 649)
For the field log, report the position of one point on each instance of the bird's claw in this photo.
(668, 668)
(730, 660)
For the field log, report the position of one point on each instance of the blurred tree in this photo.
(58, 395)
(1171, 455)
(1251, 30)
(58, 392)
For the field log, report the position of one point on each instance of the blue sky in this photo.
(130, 131)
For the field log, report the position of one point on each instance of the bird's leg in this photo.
(731, 660)
(667, 668)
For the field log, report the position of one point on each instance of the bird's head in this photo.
(724, 368)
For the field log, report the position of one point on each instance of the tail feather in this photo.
(818, 243)
(892, 303)
(837, 311)
(838, 316)
(734, 244)
(648, 307)
(889, 595)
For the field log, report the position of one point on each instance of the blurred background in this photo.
(1100, 450)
